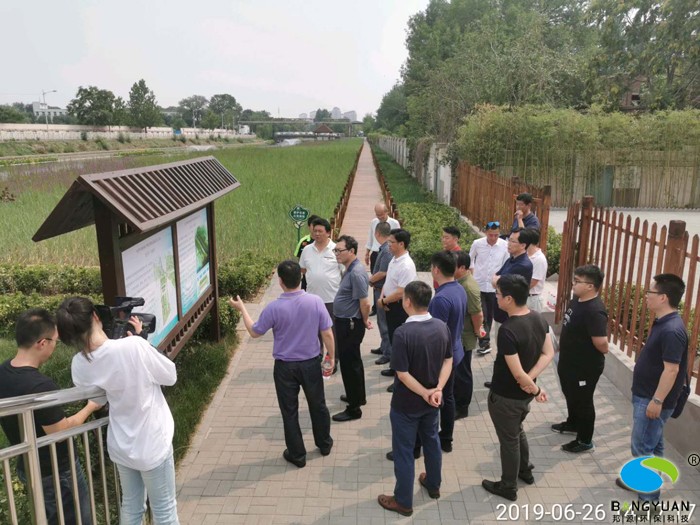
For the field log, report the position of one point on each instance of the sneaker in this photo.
(494, 487)
(564, 428)
(576, 447)
(483, 351)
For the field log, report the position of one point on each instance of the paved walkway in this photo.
(235, 473)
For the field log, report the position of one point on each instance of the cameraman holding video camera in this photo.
(139, 438)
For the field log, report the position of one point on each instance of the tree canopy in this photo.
(97, 107)
(143, 109)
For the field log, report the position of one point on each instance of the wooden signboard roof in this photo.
(145, 198)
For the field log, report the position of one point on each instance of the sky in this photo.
(284, 56)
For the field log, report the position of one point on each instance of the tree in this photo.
(143, 109)
(321, 115)
(192, 108)
(368, 124)
(96, 107)
(651, 43)
(226, 107)
(210, 120)
(12, 115)
(393, 112)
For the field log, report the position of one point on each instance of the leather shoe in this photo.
(433, 493)
(389, 503)
(382, 360)
(494, 487)
(347, 415)
(390, 388)
(487, 384)
(301, 463)
(388, 372)
(526, 476)
(446, 446)
(621, 484)
(326, 451)
(390, 454)
(376, 351)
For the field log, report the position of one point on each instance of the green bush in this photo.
(83, 135)
(553, 251)
(101, 143)
(425, 222)
(244, 275)
(50, 279)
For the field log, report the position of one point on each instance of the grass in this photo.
(403, 187)
(253, 217)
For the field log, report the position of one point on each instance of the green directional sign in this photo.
(298, 213)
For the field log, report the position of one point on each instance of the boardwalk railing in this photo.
(342, 206)
(630, 253)
(85, 444)
(384, 187)
(486, 196)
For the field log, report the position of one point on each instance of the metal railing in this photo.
(85, 442)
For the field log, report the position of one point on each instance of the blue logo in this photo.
(640, 474)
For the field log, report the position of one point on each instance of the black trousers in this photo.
(395, 317)
(289, 377)
(372, 259)
(464, 381)
(488, 306)
(351, 332)
(578, 391)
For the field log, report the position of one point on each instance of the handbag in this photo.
(682, 398)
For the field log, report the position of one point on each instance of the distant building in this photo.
(336, 114)
(351, 116)
(40, 110)
(304, 116)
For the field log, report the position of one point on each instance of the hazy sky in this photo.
(288, 55)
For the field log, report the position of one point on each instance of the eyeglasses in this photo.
(336, 250)
(578, 281)
(493, 224)
(48, 339)
(652, 292)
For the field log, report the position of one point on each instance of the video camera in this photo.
(115, 319)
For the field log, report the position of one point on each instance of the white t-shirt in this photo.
(401, 271)
(372, 243)
(539, 271)
(322, 271)
(486, 260)
(131, 371)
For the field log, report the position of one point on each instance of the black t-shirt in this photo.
(668, 341)
(523, 335)
(20, 381)
(578, 357)
(419, 348)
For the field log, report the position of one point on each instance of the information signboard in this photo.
(193, 257)
(149, 272)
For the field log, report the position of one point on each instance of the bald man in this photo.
(382, 215)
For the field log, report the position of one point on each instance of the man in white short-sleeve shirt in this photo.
(539, 274)
(487, 255)
(320, 266)
(401, 271)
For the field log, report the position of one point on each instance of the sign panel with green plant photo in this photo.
(193, 256)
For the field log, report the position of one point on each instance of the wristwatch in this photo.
(657, 401)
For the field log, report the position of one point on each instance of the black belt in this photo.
(535, 295)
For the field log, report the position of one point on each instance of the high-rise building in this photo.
(303, 115)
(336, 114)
(350, 115)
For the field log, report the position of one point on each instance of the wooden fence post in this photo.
(585, 230)
(544, 217)
(674, 260)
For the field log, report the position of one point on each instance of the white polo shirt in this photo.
(486, 260)
(322, 271)
(539, 271)
(401, 271)
(372, 244)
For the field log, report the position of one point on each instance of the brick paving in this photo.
(234, 471)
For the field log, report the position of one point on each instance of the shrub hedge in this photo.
(425, 222)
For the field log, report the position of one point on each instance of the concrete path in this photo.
(235, 473)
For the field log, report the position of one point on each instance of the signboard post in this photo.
(298, 214)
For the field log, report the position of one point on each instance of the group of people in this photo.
(428, 335)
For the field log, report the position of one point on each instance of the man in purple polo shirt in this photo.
(296, 319)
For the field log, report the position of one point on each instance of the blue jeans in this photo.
(383, 327)
(66, 484)
(647, 435)
(404, 428)
(158, 484)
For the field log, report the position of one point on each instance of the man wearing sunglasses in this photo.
(487, 255)
(36, 337)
